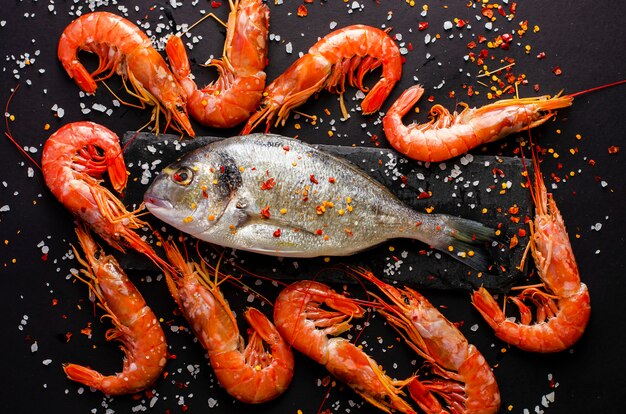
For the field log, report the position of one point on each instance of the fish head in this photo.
(193, 193)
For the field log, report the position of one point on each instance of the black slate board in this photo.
(481, 188)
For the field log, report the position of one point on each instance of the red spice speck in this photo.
(424, 194)
(265, 212)
(541, 55)
(286, 147)
(487, 12)
(422, 26)
(216, 4)
(270, 183)
(302, 11)
(318, 232)
(277, 233)
(331, 180)
(557, 71)
(313, 179)
(613, 149)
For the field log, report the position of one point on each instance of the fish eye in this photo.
(182, 176)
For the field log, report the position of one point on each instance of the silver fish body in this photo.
(278, 196)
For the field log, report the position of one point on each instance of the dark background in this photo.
(41, 305)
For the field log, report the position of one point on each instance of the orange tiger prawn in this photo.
(467, 384)
(349, 53)
(236, 93)
(249, 373)
(124, 49)
(136, 326)
(306, 325)
(563, 308)
(448, 135)
(74, 159)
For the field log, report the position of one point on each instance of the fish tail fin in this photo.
(467, 241)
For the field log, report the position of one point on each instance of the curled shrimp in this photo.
(136, 326)
(74, 159)
(467, 384)
(448, 135)
(236, 93)
(301, 320)
(251, 374)
(563, 308)
(124, 49)
(350, 52)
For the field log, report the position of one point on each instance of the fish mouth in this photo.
(153, 202)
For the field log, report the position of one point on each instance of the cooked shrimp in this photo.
(251, 374)
(236, 93)
(349, 52)
(301, 320)
(448, 135)
(124, 49)
(467, 384)
(136, 326)
(563, 308)
(74, 159)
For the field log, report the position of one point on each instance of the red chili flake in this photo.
(487, 12)
(592, 162)
(431, 98)
(313, 179)
(309, 1)
(270, 183)
(470, 90)
(277, 233)
(613, 149)
(409, 46)
(451, 94)
(318, 232)
(557, 70)
(55, 302)
(422, 26)
(302, 11)
(498, 171)
(216, 4)
(460, 23)
(501, 11)
(471, 45)
(265, 212)
(513, 8)
(68, 336)
(514, 210)
(536, 87)
(507, 37)
(404, 179)
(541, 55)
(481, 39)
(423, 194)
(331, 180)
(44, 257)
(286, 147)
(521, 232)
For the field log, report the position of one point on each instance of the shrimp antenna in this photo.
(9, 134)
(489, 72)
(203, 18)
(597, 88)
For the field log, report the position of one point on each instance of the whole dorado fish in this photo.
(278, 196)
